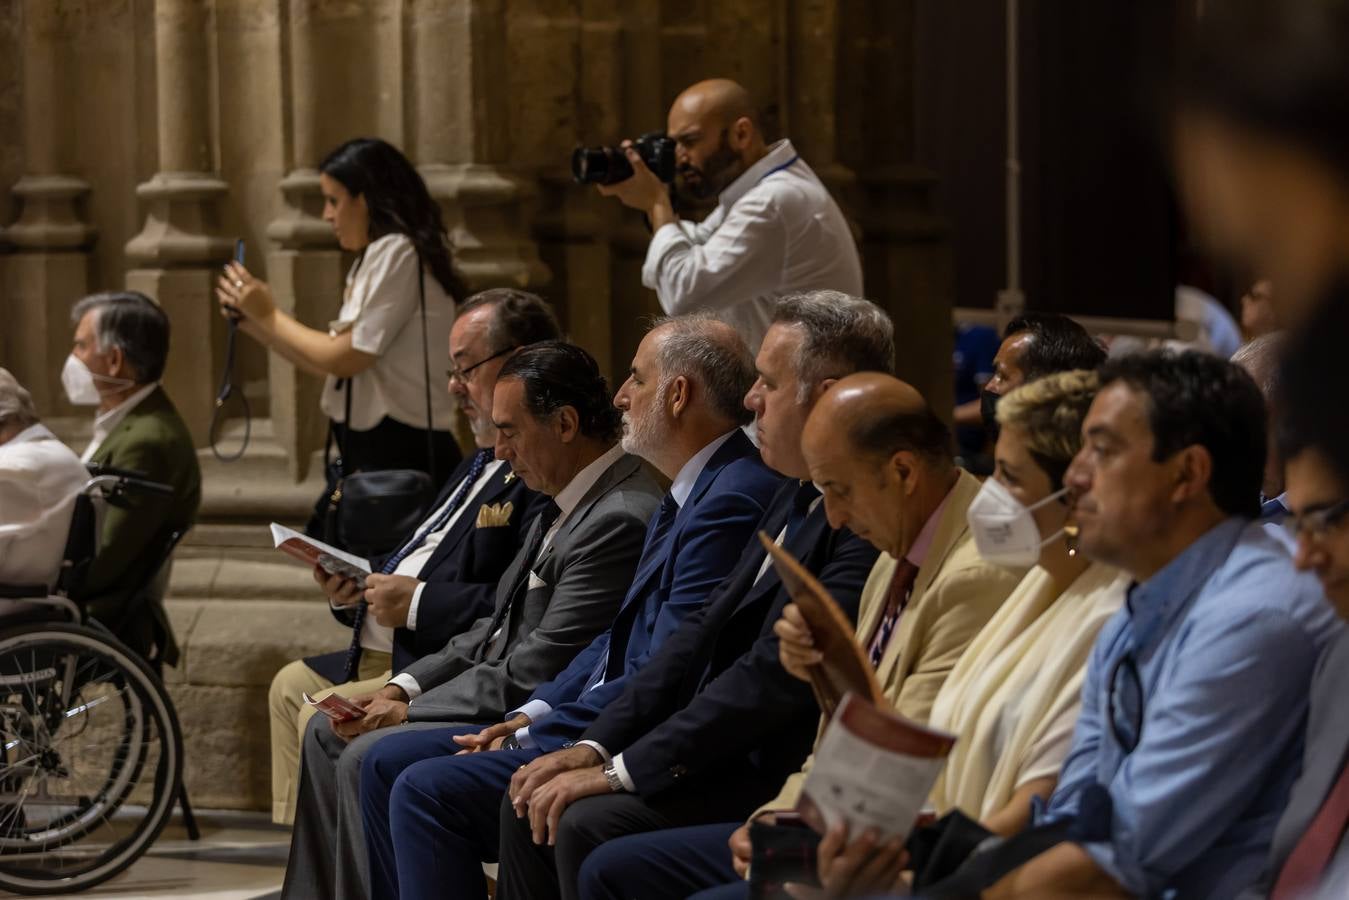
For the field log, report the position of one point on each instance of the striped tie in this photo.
(480, 461)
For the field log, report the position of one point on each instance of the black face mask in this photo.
(988, 410)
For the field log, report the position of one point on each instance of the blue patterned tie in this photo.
(654, 550)
(480, 461)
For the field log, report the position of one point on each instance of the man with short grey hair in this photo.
(39, 478)
(840, 334)
(121, 345)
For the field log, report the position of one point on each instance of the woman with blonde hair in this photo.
(1013, 697)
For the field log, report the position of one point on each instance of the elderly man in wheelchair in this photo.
(90, 747)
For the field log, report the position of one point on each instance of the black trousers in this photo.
(389, 445)
(529, 871)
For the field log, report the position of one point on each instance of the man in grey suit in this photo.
(1309, 855)
(559, 431)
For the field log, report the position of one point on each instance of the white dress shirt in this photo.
(775, 231)
(680, 489)
(379, 638)
(566, 500)
(39, 479)
(105, 422)
(382, 311)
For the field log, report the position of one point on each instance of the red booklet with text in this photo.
(312, 552)
(873, 768)
(844, 667)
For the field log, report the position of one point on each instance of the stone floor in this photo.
(241, 856)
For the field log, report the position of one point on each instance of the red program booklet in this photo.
(312, 552)
(873, 768)
(335, 707)
(844, 667)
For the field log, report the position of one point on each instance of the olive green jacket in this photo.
(154, 441)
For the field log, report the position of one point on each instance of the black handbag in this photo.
(369, 512)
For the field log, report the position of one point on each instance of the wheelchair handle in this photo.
(109, 481)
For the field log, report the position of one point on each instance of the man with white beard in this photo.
(682, 413)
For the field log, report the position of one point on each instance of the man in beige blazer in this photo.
(884, 463)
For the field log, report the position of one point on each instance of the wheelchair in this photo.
(91, 753)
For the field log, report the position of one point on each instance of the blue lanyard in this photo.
(788, 163)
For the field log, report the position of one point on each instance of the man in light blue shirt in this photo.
(1195, 701)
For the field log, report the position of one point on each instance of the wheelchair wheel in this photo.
(90, 758)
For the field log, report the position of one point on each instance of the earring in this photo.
(1071, 532)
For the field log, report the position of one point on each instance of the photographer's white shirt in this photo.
(775, 231)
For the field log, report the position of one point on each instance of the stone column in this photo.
(48, 266)
(458, 135)
(176, 258)
(306, 272)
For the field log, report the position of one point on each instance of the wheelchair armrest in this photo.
(24, 592)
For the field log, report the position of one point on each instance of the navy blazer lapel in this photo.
(463, 526)
(737, 446)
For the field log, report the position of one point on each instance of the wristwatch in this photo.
(611, 776)
(510, 743)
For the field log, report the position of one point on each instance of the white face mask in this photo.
(80, 385)
(1004, 528)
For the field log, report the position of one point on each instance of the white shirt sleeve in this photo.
(535, 709)
(408, 684)
(386, 289)
(604, 754)
(623, 775)
(742, 259)
(413, 604)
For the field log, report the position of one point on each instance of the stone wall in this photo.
(142, 136)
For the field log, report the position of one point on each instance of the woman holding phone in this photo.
(372, 352)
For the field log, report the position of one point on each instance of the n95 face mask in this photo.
(1004, 528)
(78, 381)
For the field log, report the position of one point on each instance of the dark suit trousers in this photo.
(327, 848)
(532, 872)
(662, 865)
(431, 817)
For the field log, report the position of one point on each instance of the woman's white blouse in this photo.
(381, 310)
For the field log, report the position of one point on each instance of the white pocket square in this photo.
(536, 582)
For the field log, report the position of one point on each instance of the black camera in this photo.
(609, 165)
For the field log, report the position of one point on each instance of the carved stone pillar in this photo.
(48, 266)
(176, 257)
(459, 92)
(306, 273)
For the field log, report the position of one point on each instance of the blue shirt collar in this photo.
(1154, 605)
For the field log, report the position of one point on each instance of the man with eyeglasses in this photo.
(447, 577)
(1194, 706)
(1309, 856)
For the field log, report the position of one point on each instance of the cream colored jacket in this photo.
(954, 594)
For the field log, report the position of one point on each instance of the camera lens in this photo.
(599, 165)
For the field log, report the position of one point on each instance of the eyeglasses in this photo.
(1315, 524)
(456, 373)
(1126, 703)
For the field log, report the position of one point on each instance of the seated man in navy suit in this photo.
(682, 412)
(448, 579)
(713, 724)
